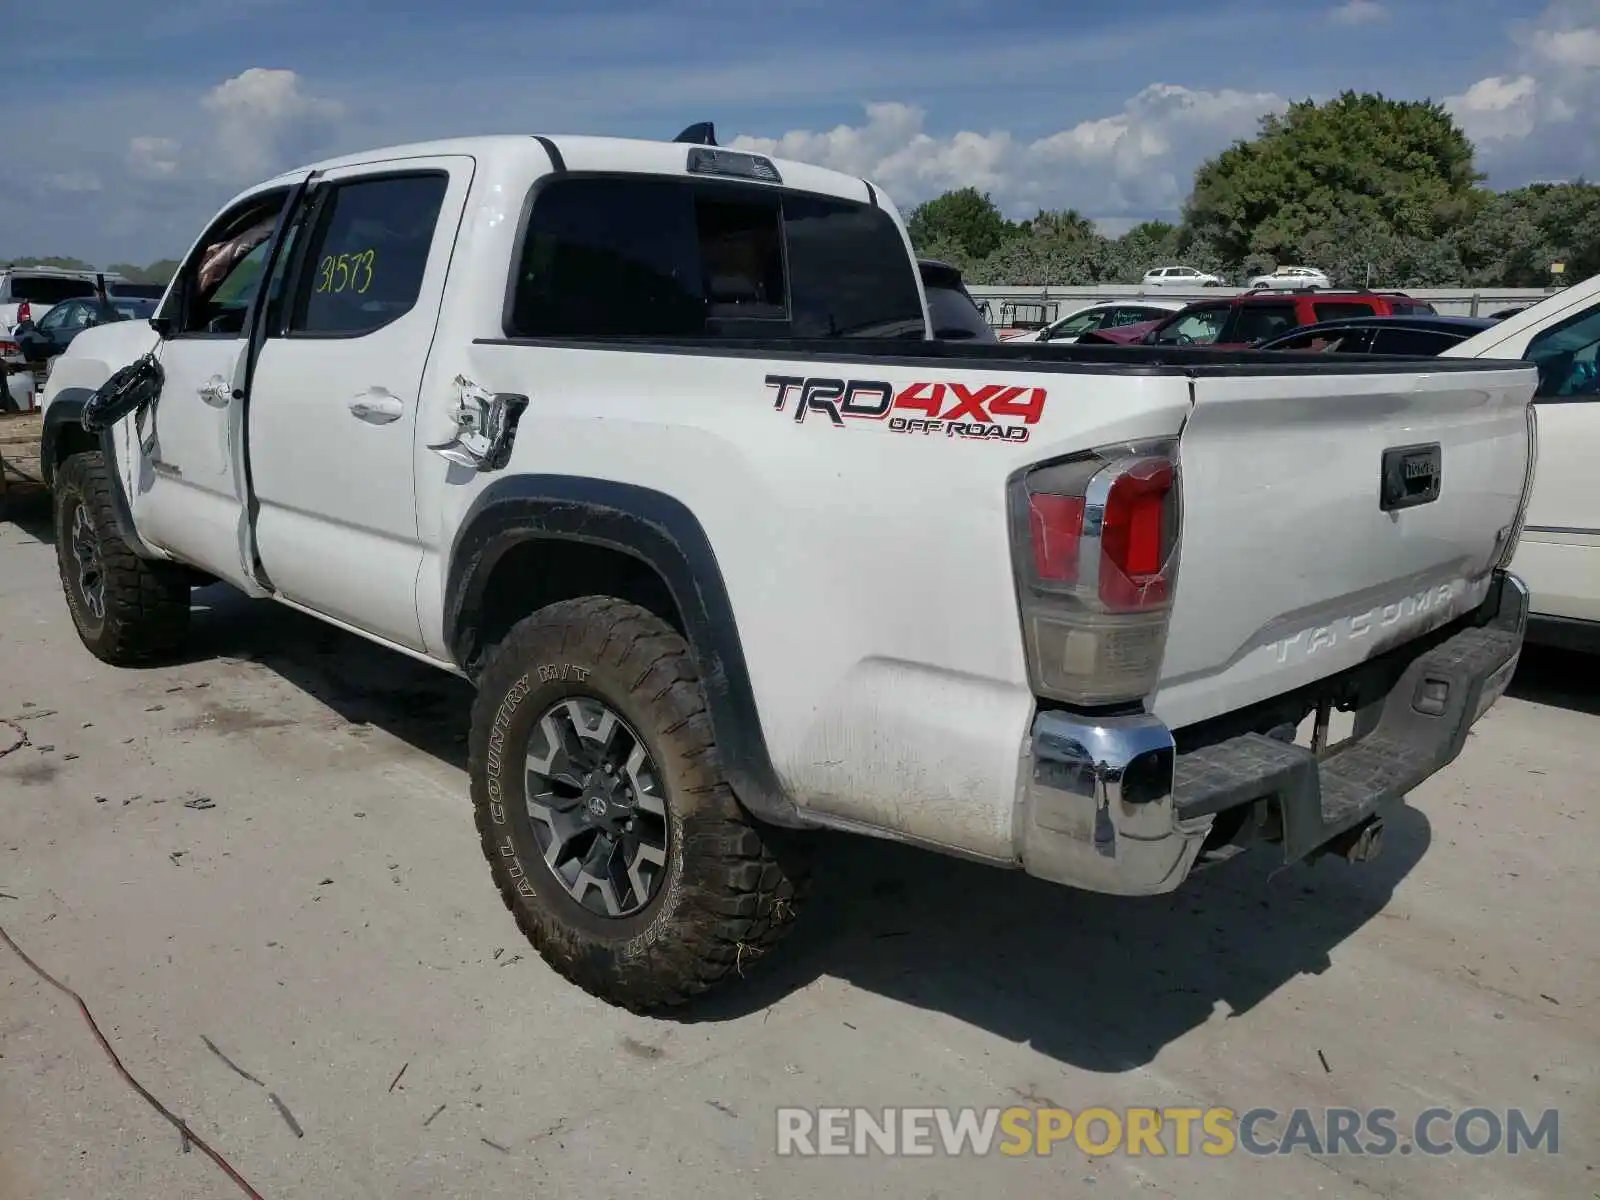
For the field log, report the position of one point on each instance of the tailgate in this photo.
(1293, 563)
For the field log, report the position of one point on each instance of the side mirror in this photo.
(163, 326)
(131, 388)
(25, 326)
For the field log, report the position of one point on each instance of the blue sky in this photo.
(143, 117)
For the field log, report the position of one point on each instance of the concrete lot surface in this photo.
(268, 848)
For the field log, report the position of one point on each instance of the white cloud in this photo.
(1501, 106)
(74, 181)
(248, 127)
(1358, 12)
(1136, 163)
(258, 114)
(1541, 118)
(1579, 48)
(153, 157)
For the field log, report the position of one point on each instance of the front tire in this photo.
(609, 829)
(127, 610)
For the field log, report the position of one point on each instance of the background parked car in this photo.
(1180, 277)
(140, 291)
(1251, 318)
(954, 313)
(1292, 277)
(1559, 553)
(38, 342)
(16, 381)
(1407, 336)
(27, 293)
(1103, 314)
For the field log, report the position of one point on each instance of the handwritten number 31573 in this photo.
(346, 272)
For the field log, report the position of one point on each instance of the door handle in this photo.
(377, 407)
(216, 391)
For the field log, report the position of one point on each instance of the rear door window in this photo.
(1338, 310)
(1198, 328)
(1081, 323)
(57, 317)
(956, 318)
(1418, 343)
(44, 290)
(367, 253)
(1257, 322)
(1134, 315)
(1566, 357)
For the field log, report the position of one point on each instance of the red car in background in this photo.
(1238, 322)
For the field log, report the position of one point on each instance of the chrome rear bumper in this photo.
(1109, 805)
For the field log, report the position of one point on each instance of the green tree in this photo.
(1503, 245)
(1404, 167)
(1568, 214)
(966, 218)
(946, 249)
(1068, 224)
(1148, 244)
(1359, 253)
(161, 271)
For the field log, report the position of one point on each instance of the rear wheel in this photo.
(127, 609)
(609, 829)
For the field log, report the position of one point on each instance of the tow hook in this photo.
(1361, 844)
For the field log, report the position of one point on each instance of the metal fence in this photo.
(1033, 306)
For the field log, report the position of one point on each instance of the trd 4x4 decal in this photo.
(957, 410)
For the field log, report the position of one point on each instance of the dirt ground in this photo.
(258, 868)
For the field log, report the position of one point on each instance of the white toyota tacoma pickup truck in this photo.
(653, 443)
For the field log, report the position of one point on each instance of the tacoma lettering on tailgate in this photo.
(986, 412)
(1415, 614)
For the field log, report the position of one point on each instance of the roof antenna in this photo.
(702, 133)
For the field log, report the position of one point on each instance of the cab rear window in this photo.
(1338, 310)
(658, 257)
(45, 290)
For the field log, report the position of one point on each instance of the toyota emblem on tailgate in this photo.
(1411, 476)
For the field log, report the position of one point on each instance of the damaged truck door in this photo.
(333, 408)
(188, 491)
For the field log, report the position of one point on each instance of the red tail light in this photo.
(1095, 546)
(1134, 539)
(24, 312)
(1055, 525)
(1129, 527)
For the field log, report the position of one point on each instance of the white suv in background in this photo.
(1559, 554)
(27, 293)
(1180, 277)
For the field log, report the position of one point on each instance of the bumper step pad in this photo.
(1420, 727)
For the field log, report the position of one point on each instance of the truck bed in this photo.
(1193, 362)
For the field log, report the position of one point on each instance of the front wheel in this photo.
(610, 831)
(127, 610)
